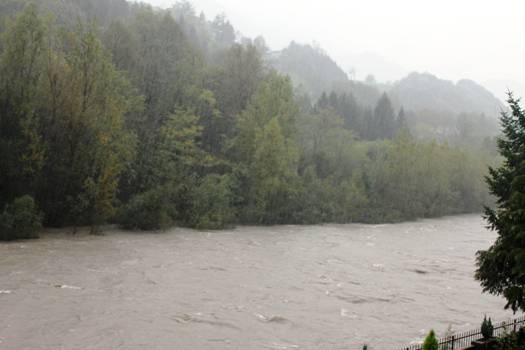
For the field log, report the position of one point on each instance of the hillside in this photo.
(313, 72)
(311, 69)
(424, 91)
(463, 113)
(72, 11)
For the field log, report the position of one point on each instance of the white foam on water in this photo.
(346, 313)
(65, 286)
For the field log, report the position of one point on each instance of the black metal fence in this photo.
(463, 340)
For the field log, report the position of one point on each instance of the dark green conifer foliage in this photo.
(501, 268)
(430, 342)
(487, 329)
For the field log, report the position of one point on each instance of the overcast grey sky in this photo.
(478, 39)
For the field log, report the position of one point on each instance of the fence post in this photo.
(515, 321)
(453, 340)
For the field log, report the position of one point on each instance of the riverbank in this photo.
(111, 229)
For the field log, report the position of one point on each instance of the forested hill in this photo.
(112, 112)
(311, 69)
(423, 91)
(314, 72)
(71, 11)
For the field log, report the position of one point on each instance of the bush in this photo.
(487, 329)
(511, 341)
(430, 342)
(150, 210)
(20, 220)
(212, 203)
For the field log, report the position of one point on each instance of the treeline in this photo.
(463, 114)
(132, 123)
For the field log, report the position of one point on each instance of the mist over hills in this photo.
(424, 91)
(314, 72)
(311, 69)
(72, 11)
(435, 108)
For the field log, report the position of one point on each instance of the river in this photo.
(285, 287)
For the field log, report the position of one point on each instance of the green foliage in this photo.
(212, 203)
(487, 329)
(383, 124)
(237, 78)
(511, 341)
(266, 153)
(21, 148)
(501, 268)
(70, 103)
(90, 147)
(151, 210)
(20, 220)
(430, 342)
(159, 117)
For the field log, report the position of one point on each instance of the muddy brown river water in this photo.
(284, 287)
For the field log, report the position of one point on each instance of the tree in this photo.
(328, 164)
(383, 124)
(270, 174)
(20, 219)
(223, 31)
(487, 329)
(274, 99)
(149, 210)
(82, 104)
(430, 342)
(121, 43)
(370, 79)
(212, 203)
(401, 121)
(501, 268)
(237, 79)
(21, 150)
(265, 153)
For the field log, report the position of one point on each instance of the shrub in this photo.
(511, 341)
(487, 330)
(430, 342)
(150, 210)
(20, 220)
(212, 203)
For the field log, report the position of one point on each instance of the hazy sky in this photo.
(454, 39)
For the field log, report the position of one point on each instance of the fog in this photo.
(479, 40)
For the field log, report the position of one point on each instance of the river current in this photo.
(284, 287)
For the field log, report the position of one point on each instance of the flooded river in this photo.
(285, 287)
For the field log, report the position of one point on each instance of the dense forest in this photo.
(113, 112)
